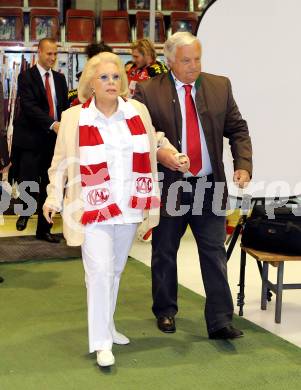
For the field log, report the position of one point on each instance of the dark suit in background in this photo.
(33, 140)
(4, 160)
(4, 157)
(220, 117)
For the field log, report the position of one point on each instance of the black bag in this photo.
(281, 234)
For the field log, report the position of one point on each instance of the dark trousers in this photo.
(33, 166)
(209, 233)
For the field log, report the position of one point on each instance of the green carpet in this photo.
(43, 344)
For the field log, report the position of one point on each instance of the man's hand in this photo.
(168, 159)
(56, 127)
(241, 178)
(184, 162)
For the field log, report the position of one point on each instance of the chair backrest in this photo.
(12, 3)
(184, 21)
(142, 26)
(44, 23)
(179, 5)
(42, 3)
(115, 26)
(80, 25)
(11, 25)
(140, 4)
(198, 5)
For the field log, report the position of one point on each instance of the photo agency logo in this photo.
(26, 204)
(202, 196)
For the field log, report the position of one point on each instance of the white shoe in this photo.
(105, 358)
(119, 338)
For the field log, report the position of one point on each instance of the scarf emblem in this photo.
(144, 185)
(98, 196)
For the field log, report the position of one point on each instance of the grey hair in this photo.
(178, 39)
(84, 87)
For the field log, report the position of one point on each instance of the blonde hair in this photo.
(145, 47)
(84, 87)
(178, 39)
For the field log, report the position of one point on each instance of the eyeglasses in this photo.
(105, 78)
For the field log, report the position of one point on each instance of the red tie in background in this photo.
(194, 150)
(49, 96)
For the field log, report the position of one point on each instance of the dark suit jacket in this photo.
(32, 123)
(1, 108)
(4, 158)
(218, 114)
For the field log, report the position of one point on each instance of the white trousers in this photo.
(104, 251)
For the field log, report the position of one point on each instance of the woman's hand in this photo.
(49, 213)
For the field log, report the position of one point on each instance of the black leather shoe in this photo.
(166, 324)
(21, 223)
(226, 333)
(48, 237)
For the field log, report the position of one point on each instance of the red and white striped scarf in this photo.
(99, 204)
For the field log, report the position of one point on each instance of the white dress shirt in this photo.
(206, 163)
(118, 143)
(52, 87)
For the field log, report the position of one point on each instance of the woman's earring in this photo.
(93, 91)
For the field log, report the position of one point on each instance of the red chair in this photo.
(184, 21)
(140, 4)
(12, 3)
(80, 25)
(142, 26)
(42, 3)
(44, 23)
(115, 26)
(11, 26)
(179, 5)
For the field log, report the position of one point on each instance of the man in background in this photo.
(4, 156)
(144, 64)
(91, 51)
(43, 96)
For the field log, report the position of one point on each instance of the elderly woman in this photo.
(103, 177)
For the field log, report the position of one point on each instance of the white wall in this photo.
(257, 44)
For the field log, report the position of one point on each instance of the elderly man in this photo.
(195, 110)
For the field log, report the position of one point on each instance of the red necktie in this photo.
(49, 96)
(194, 150)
